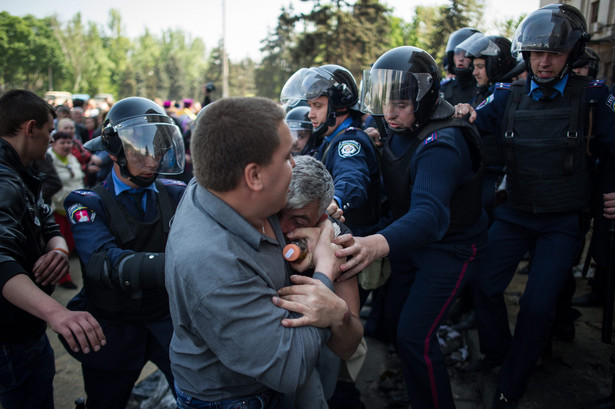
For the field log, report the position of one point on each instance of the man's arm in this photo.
(323, 308)
(80, 330)
(52, 265)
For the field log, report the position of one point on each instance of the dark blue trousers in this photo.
(420, 299)
(110, 374)
(556, 240)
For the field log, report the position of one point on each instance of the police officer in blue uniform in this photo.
(301, 129)
(462, 86)
(432, 174)
(492, 62)
(346, 150)
(542, 127)
(120, 229)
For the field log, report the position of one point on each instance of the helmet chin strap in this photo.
(137, 180)
(545, 82)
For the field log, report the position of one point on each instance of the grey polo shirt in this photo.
(221, 275)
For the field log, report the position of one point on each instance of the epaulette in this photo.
(172, 182)
(84, 192)
(431, 138)
(502, 85)
(595, 84)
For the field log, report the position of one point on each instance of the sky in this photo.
(247, 21)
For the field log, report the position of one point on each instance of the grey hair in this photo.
(311, 182)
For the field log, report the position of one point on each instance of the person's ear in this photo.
(29, 126)
(253, 177)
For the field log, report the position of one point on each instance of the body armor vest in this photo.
(544, 147)
(127, 305)
(465, 206)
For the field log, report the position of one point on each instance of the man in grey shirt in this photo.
(224, 264)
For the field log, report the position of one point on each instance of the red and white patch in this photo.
(80, 214)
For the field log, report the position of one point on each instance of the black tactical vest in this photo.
(465, 206)
(127, 305)
(544, 146)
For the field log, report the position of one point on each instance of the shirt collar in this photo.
(559, 86)
(121, 186)
(346, 124)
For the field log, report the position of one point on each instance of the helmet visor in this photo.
(477, 46)
(547, 31)
(306, 84)
(386, 88)
(152, 146)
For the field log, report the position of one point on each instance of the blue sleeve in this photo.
(349, 164)
(437, 169)
(490, 113)
(88, 219)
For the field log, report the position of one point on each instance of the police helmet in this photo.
(403, 73)
(137, 130)
(555, 28)
(590, 59)
(495, 50)
(333, 81)
(454, 40)
(297, 120)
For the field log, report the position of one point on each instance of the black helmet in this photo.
(495, 50)
(454, 40)
(407, 73)
(138, 130)
(555, 28)
(590, 59)
(299, 124)
(333, 81)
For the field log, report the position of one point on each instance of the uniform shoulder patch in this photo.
(172, 182)
(431, 138)
(502, 85)
(595, 84)
(78, 213)
(85, 193)
(348, 148)
(610, 102)
(485, 102)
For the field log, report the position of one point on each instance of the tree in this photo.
(29, 53)
(278, 62)
(459, 14)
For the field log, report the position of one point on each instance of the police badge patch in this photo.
(77, 213)
(610, 102)
(346, 149)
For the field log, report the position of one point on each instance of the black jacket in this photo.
(26, 225)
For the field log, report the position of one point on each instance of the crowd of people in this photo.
(421, 193)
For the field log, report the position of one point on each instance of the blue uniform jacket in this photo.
(86, 212)
(352, 161)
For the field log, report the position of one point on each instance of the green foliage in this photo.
(77, 56)
(28, 52)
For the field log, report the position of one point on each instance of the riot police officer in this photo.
(432, 175)
(332, 95)
(587, 64)
(542, 127)
(120, 229)
(492, 62)
(301, 129)
(462, 86)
